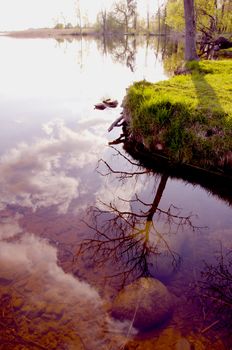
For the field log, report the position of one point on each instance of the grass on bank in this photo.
(189, 115)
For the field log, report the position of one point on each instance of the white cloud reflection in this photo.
(30, 265)
(35, 256)
(9, 226)
(50, 171)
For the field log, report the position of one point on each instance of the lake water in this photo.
(66, 197)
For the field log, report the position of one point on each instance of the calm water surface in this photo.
(66, 195)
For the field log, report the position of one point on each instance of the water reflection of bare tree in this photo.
(130, 238)
(214, 291)
(121, 48)
(125, 53)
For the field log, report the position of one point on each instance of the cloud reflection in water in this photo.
(52, 170)
(61, 307)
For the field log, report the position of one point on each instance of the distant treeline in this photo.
(213, 17)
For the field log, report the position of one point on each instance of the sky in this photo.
(24, 14)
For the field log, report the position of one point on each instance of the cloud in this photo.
(35, 256)
(9, 226)
(52, 170)
(30, 265)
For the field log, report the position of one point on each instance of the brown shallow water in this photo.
(63, 191)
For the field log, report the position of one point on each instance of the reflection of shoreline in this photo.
(216, 183)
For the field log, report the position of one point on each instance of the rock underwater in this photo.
(146, 303)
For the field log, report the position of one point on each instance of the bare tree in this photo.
(159, 17)
(148, 17)
(103, 15)
(125, 12)
(79, 15)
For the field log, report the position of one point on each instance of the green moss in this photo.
(190, 115)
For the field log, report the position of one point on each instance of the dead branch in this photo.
(206, 329)
(116, 123)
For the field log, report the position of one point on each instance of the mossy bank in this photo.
(187, 118)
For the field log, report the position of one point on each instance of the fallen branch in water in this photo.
(116, 123)
(206, 329)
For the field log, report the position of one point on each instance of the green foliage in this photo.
(190, 115)
(112, 24)
(175, 15)
(68, 26)
(59, 26)
(207, 15)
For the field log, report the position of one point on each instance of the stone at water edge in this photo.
(146, 299)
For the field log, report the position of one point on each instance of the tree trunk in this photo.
(126, 24)
(135, 22)
(158, 196)
(104, 21)
(190, 31)
(148, 20)
(164, 25)
(159, 19)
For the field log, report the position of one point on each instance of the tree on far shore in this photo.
(125, 12)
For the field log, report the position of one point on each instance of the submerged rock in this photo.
(183, 344)
(146, 303)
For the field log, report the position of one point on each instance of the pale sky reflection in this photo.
(30, 74)
(42, 170)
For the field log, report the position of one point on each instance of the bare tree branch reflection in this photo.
(214, 290)
(130, 238)
(125, 52)
(121, 174)
(216, 283)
